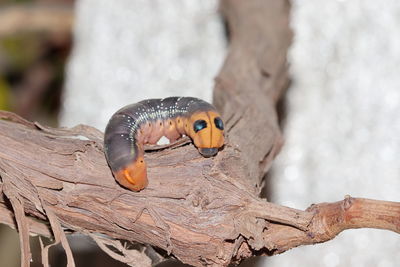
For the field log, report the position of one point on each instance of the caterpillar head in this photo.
(206, 129)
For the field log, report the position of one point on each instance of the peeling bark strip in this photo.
(205, 211)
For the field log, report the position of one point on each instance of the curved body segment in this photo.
(146, 122)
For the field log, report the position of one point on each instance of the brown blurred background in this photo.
(35, 41)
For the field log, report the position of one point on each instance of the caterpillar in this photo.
(145, 122)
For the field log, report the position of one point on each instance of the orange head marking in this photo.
(207, 132)
(133, 176)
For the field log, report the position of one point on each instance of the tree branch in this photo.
(205, 211)
(332, 218)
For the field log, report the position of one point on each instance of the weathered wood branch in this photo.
(205, 211)
(190, 208)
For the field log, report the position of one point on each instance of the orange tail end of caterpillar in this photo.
(133, 176)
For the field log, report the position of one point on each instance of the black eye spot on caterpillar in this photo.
(199, 125)
(146, 122)
(218, 123)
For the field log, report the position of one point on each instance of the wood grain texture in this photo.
(204, 211)
(252, 79)
(190, 208)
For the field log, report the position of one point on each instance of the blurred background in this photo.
(65, 62)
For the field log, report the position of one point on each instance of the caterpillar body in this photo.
(145, 122)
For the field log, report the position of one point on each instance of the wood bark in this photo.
(203, 211)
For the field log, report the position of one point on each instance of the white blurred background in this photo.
(127, 51)
(343, 123)
(342, 130)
